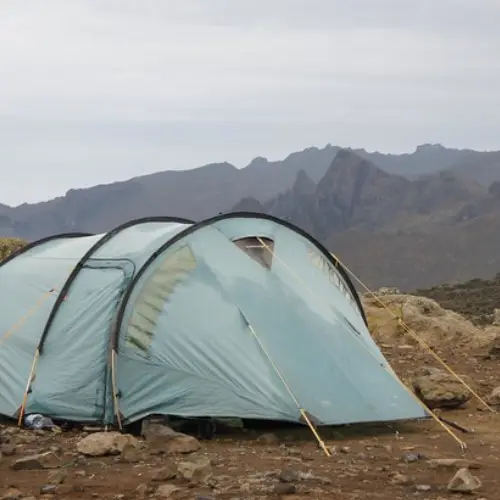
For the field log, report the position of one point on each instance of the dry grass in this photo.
(9, 245)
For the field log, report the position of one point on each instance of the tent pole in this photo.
(461, 443)
(114, 389)
(289, 390)
(28, 385)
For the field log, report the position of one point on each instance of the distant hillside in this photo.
(393, 231)
(476, 299)
(205, 191)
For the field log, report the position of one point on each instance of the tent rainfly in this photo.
(241, 315)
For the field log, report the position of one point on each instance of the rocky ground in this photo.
(412, 460)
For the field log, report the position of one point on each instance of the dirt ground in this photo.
(376, 461)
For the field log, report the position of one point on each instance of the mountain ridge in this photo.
(417, 226)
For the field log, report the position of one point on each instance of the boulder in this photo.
(101, 444)
(432, 323)
(441, 390)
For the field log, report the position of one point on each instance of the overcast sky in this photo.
(93, 91)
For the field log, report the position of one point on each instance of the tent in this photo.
(241, 315)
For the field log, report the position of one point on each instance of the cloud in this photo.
(97, 90)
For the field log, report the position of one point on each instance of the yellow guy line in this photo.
(292, 395)
(462, 444)
(20, 322)
(420, 341)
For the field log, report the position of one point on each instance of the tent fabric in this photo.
(201, 326)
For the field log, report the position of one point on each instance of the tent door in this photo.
(119, 273)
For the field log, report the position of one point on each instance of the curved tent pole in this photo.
(71, 278)
(88, 255)
(209, 222)
(34, 244)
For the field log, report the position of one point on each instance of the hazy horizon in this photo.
(95, 91)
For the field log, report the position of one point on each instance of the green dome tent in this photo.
(242, 315)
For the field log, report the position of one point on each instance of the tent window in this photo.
(154, 294)
(259, 248)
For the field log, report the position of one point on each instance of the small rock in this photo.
(12, 494)
(494, 397)
(285, 489)
(101, 444)
(269, 438)
(166, 490)
(131, 453)
(8, 449)
(464, 482)
(165, 473)
(154, 431)
(450, 463)
(411, 457)
(46, 460)
(57, 476)
(289, 476)
(143, 490)
(423, 487)
(182, 444)
(48, 489)
(400, 479)
(199, 470)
